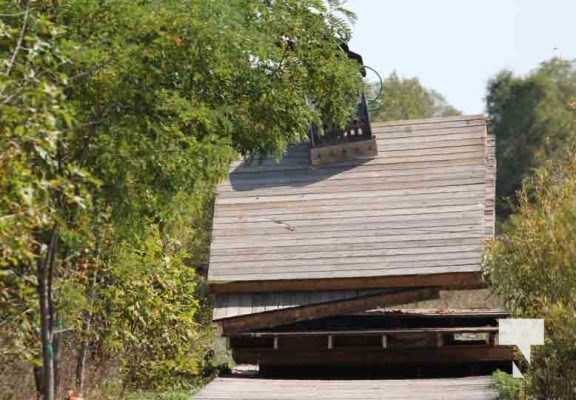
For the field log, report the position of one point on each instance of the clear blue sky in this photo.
(455, 46)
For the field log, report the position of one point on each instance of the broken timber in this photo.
(377, 340)
(304, 247)
(324, 309)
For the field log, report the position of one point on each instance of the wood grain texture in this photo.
(226, 305)
(325, 306)
(430, 188)
(471, 388)
(450, 280)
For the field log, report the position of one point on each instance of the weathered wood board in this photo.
(423, 206)
(471, 388)
(317, 305)
(228, 305)
(370, 358)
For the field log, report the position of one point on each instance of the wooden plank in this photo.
(465, 137)
(490, 191)
(445, 280)
(427, 242)
(415, 126)
(441, 203)
(298, 156)
(242, 388)
(239, 186)
(429, 259)
(375, 332)
(366, 184)
(372, 357)
(479, 233)
(425, 313)
(347, 271)
(376, 193)
(384, 200)
(329, 176)
(346, 253)
(348, 171)
(413, 213)
(465, 119)
(422, 214)
(338, 307)
(247, 229)
(347, 233)
(384, 157)
(403, 160)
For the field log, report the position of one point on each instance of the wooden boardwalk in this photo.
(422, 208)
(472, 388)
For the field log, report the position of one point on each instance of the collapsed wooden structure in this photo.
(391, 343)
(301, 252)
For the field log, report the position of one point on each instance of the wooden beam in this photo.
(376, 356)
(371, 332)
(328, 309)
(449, 281)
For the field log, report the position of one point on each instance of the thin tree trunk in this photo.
(56, 344)
(81, 358)
(53, 318)
(45, 270)
(86, 324)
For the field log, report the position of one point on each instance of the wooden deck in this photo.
(473, 388)
(418, 212)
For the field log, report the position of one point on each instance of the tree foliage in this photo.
(117, 119)
(532, 120)
(403, 98)
(532, 268)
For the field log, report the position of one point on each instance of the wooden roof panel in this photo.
(431, 187)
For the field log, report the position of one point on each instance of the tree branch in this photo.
(20, 38)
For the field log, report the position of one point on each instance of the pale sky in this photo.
(455, 46)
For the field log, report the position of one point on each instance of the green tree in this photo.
(532, 120)
(532, 268)
(402, 98)
(117, 120)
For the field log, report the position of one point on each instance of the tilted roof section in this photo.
(424, 205)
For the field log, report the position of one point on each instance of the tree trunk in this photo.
(81, 358)
(56, 342)
(86, 324)
(46, 337)
(45, 273)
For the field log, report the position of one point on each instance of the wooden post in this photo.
(439, 339)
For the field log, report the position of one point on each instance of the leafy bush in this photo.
(532, 268)
(509, 388)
